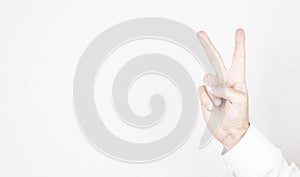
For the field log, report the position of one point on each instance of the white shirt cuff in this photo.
(253, 155)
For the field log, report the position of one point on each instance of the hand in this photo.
(225, 94)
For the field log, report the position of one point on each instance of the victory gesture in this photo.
(224, 95)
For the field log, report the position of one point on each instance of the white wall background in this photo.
(41, 43)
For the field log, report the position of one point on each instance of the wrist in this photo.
(234, 136)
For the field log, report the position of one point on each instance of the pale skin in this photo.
(228, 85)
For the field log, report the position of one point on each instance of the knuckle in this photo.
(201, 89)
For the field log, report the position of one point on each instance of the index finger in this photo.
(213, 55)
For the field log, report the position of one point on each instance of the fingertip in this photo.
(240, 31)
(217, 101)
(240, 35)
(201, 33)
(203, 36)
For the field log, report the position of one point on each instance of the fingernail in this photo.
(210, 107)
(209, 89)
(217, 101)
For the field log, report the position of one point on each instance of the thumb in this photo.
(228, 93)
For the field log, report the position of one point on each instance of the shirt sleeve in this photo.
(255, 156)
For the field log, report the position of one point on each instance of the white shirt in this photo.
(255, 156)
